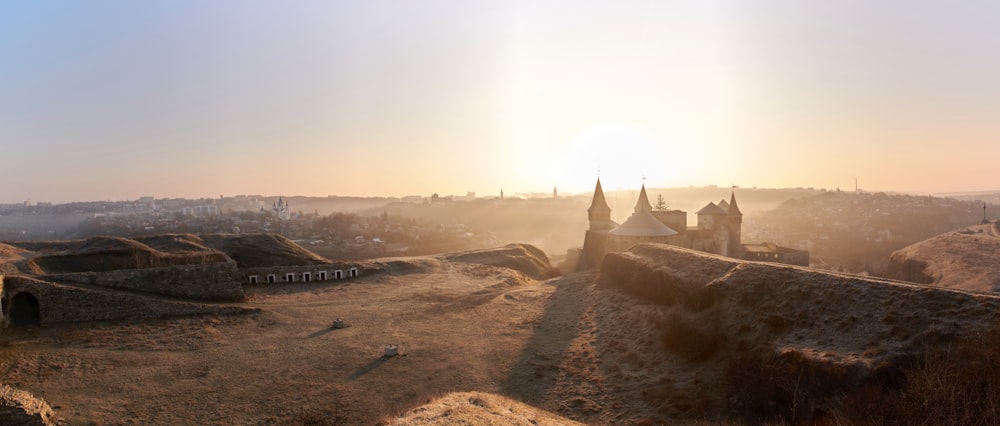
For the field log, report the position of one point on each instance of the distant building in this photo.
(200, 211)
(718, 231)
(281, 209)
(770, 252)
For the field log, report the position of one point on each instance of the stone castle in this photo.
(717, 231)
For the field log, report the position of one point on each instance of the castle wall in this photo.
(796, 257)
(304, 273)
(734, 225)
(594, 248)
(66, 303)
(674, 219)
(213, 281)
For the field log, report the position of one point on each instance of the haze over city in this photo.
(118, 100)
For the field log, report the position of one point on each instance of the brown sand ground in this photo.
(459, 327)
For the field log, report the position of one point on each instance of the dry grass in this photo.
(477, 408)
(964, 259)
(749, 343)
(695, 336)
(458, 328)
(954, 384)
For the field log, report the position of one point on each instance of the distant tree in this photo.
(661, 204)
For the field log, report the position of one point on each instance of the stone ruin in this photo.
(391, 350)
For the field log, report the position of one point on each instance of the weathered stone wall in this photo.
(66, 303)
(594, 248)
(280, 272)
(213, 281)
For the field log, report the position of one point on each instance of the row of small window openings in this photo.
(307, 276)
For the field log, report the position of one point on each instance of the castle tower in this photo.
(734, 226)
(643, 202)
(599, 213)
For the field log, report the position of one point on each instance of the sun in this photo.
(622, 153)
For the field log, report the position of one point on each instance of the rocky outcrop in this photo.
(967, 259)
(19, 408)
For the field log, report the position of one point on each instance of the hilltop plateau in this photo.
(963, 259)
(658, 335)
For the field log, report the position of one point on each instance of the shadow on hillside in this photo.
(537, 367)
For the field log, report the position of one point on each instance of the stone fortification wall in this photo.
(213, 281)
(594, 248)
(66, 303)
(303, 273)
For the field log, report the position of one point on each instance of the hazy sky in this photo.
(121, 99)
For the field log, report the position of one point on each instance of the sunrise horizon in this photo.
(185, 99)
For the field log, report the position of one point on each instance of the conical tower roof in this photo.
(599, 203)
(643, 203)
(642, 223)
(733, 208)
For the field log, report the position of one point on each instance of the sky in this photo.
(114, 100)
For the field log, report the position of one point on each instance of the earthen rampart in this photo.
(212, 281)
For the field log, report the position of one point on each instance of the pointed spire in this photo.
(643, 202)
(733, 208)
(599, 203)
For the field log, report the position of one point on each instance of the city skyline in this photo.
(110, 100)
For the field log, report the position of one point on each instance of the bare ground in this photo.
(460, 327)
(587, 352)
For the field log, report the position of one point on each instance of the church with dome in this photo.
(717, 231)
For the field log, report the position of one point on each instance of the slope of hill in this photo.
(261, 250)
(99, 254)
(966, 259)
(813, 335)
(9, 256)
(520, 257)
(174, 243)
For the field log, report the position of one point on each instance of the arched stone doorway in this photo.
(24, 309)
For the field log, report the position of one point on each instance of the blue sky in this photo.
(117, 100)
